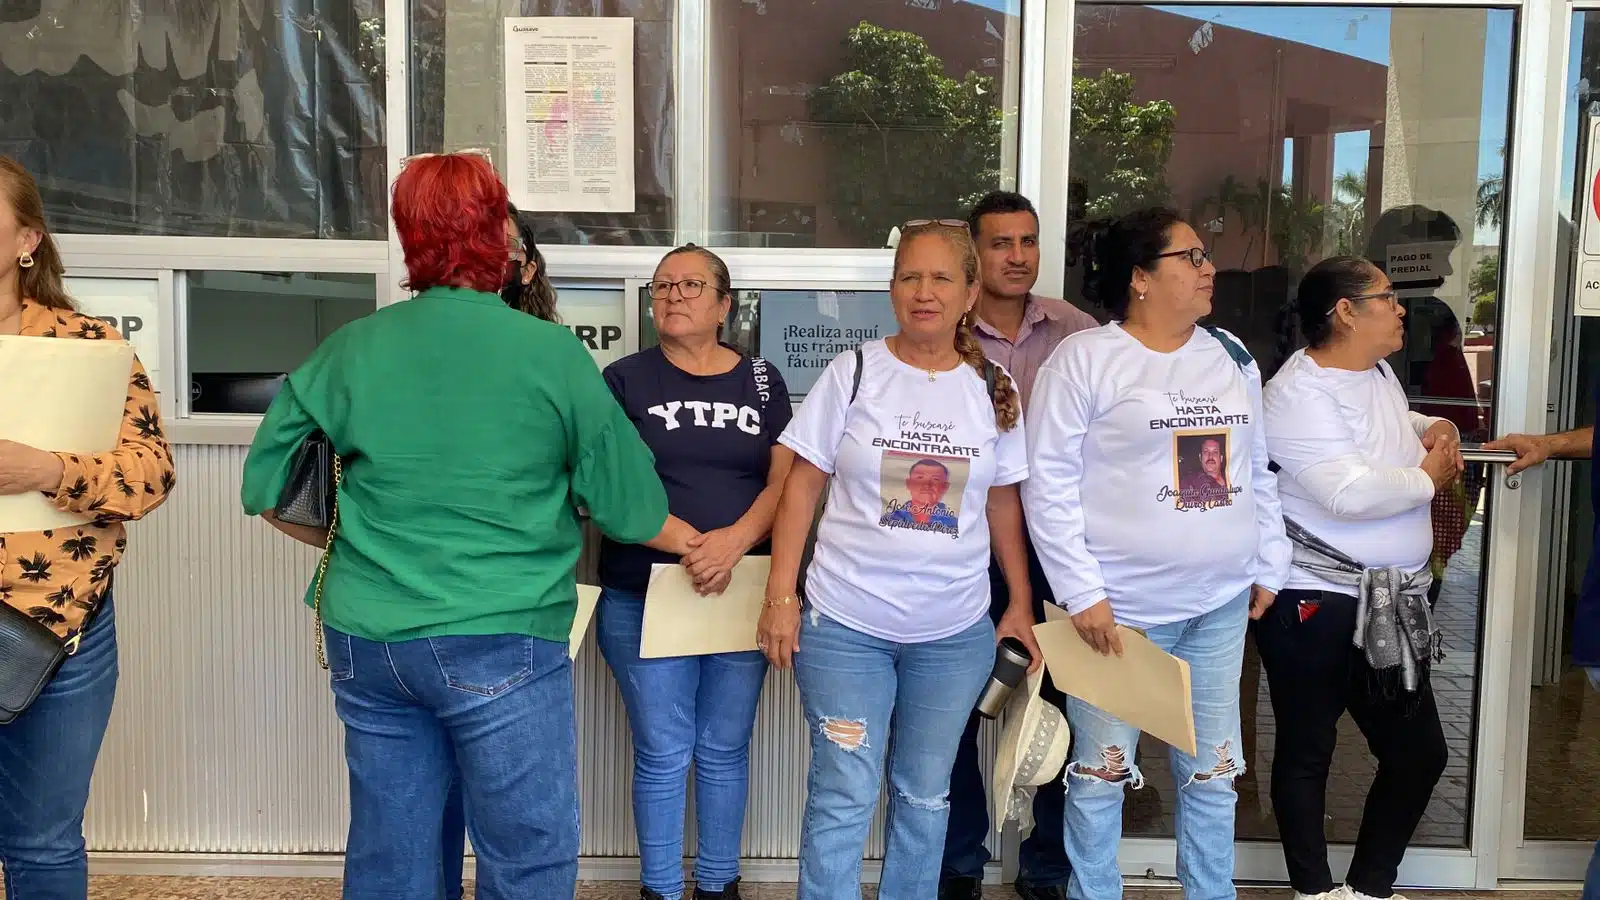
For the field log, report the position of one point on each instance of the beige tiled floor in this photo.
(124, 888)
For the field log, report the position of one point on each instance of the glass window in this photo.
(834, 120)
(458, 101)
(248, 330)
(225, 118)
(798, 331)
(1286, 135)
(1564, 713)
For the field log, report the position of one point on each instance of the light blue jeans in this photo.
(683, 708)
(1104, 751)
(865, 697)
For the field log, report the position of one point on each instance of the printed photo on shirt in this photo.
(922, 492)
(1201, 465)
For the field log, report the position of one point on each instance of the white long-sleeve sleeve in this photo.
(1272, 561)
(1311, 439)
(1349, 453)
(1059, 413)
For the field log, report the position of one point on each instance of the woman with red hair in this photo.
(466, 433)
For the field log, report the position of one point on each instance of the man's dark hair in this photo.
(999, 203)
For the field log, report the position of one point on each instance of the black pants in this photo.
(1314, 674)
(1043, 856)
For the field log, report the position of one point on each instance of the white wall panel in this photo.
(224, 738)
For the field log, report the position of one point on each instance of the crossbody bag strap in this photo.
(322, 566)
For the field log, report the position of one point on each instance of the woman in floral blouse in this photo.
(62, 578)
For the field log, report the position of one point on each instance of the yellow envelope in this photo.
(680, 622)
(588, 599)
(1146, 686)
(64, 396)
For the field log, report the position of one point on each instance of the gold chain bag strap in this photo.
(322, 566)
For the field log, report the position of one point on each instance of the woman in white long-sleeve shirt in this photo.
(1352, 629)
(1151, 505)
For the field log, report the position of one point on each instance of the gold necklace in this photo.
(933, 374)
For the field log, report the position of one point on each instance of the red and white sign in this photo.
(1587, 301)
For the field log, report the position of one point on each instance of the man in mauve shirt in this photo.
(1018, 330)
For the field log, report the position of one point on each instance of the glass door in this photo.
(1287, 135)
(1561, 744)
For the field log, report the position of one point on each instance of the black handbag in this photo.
(311, 491)
(310, 497)
(30, 654)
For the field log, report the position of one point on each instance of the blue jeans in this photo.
(495, 711)
(47, 757)
(699, 708)
(865, 698)
(1103, 763)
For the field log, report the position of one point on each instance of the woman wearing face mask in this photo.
(527, 284)
(1151, 505)
(897, 640)
(712, 417)
(1358, 473)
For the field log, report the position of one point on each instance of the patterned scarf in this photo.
(1394, 624)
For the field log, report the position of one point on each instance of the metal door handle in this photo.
(1475, 454)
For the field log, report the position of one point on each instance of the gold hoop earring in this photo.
(25, 260)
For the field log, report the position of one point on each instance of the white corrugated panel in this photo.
(224, 738)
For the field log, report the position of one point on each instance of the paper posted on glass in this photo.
(1146, 686)
(61, 396)
(569, 113)
(588, 599)
(680, 622)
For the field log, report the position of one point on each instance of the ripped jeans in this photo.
(682, 709)
(1213, 645)
(865, 697)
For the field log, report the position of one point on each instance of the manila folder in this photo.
(61, 395)
(680, 622)
(1146, 686)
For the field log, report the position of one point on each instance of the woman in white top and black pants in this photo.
(1151, 505)
(1351, 630)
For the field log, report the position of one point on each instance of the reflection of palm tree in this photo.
(1349, 212)
(1491, 196)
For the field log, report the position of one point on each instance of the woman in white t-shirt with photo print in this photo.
(1151, 505)
(896, 642)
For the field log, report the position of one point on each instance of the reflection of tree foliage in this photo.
(1347, 214)
(1490, 207)
(1120, 147)
(904, 139)
(1291, 224)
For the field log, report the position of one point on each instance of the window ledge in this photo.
(214, 429)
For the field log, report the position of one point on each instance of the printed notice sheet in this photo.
(569, 114)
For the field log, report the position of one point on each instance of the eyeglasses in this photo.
(470, 151)
(943, 223)
(688, 289)
(515, 248)
(1388, 296)
(1197, 255)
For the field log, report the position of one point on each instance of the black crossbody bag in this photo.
(30, 655)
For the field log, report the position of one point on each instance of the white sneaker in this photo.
(1354, 894)
(1338, 893)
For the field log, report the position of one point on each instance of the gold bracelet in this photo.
(785, 600)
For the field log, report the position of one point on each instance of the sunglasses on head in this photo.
(943, 223)
(470, 151)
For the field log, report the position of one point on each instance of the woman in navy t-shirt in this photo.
(712, 417)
